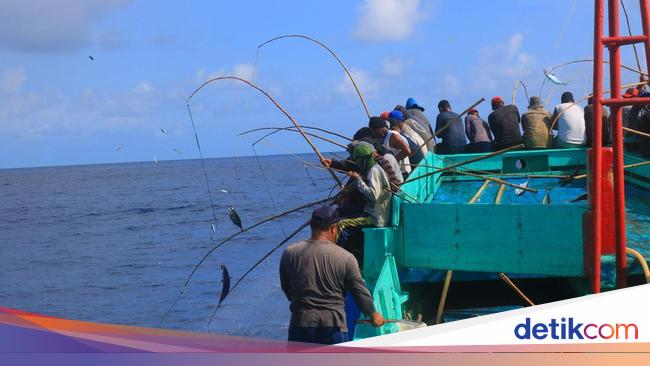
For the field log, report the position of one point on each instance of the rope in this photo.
(642, 262)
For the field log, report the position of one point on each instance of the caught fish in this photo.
(223, 191)
(119, 147)
(519, 191)
(163, 131)
(234, 217)
(581, 197)
(213, 227)
(547, 198)
(225, 284)
(554, 79)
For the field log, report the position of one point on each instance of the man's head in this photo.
(567, 97)
(396, 119)
(631, 92)
(364, 156)
(384, 115)
(411, 103)
(444, 106)
(404, 111)
(378, 126)
(323, 223)
(362, 133)
(497, 102)
(473, 111)
(534, 102)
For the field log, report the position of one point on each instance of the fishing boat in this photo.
(457, 237)
(478, 234)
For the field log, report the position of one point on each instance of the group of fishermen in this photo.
(316, 274)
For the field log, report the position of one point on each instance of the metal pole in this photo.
(617, 146)
(596, 171)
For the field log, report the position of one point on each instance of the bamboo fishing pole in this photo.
(224, 241)
(636, 132)
(456, 119)
(629, 31)
(629, 166)
(473, 160)
(303, 126)
(294, 233)
(514, 90)
(345, 68)
(293, 129)
(284, 111)
(493, 179)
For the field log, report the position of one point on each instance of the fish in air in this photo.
(234, 217)
(119, 147)
(91, 58)
(554, 79)
(163, 131)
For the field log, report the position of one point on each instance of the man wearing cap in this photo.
(315, 275)
(629, 139)
(417, 112)
(393, 141)
(536, 122)
(416, 144)
(412, 126)
(478, 133)
(569, 120)
(504, 123)
(452, 130)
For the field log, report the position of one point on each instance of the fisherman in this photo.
(504, 123)
(453, 135)
(393, 141)
(640, 116)
(589, 123)
(417, 112)
(413, 124)
(416, 144)
(536, 123)
(478, 133)
(570, 123)
(315, 275)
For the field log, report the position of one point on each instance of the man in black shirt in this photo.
(504, 123)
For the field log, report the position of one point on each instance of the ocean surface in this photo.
(115, 242)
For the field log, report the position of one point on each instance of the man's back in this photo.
(504, 123)
(453, 135)
(536, 122)
(315, 274)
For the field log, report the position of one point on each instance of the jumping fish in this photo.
(91, 58)
(554, 79)
(223, 191)
(547, 198)
(155, 160)
(519, 191)
(234, 217)
(163, 131)
(225, 284)
(213, 227)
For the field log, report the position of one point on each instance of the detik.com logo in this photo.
(568, 328)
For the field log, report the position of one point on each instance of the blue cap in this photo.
(396, 115)
(324, 216)
(410, 103)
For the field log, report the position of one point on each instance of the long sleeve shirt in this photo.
(476, 129)
(378, 195)
(453, 135)
(315, 276)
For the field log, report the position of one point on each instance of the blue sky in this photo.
(57, 107)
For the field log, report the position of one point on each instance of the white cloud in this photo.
(501, 64)
(12, 79)
(366, 83)
(50, 26)
(245, 71)
(394, 66)
(388, 20)
(143, 87)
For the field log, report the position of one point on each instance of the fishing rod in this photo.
(284, 111)
(303, 126)
(294, 233)
(629, 31)
(293, 129)
(514, 90)
(224, 241)
(347, 72)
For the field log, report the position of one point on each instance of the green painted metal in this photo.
(389, 299)
(531, 239)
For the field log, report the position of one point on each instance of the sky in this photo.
(59, 107)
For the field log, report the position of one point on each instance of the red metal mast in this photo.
(613, 42)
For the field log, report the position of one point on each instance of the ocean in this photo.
(115, 243)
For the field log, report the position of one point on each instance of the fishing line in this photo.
(268, 189)
(205, 170)
(313, 182)
(566, 23)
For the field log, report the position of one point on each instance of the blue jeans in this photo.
(322, 335)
